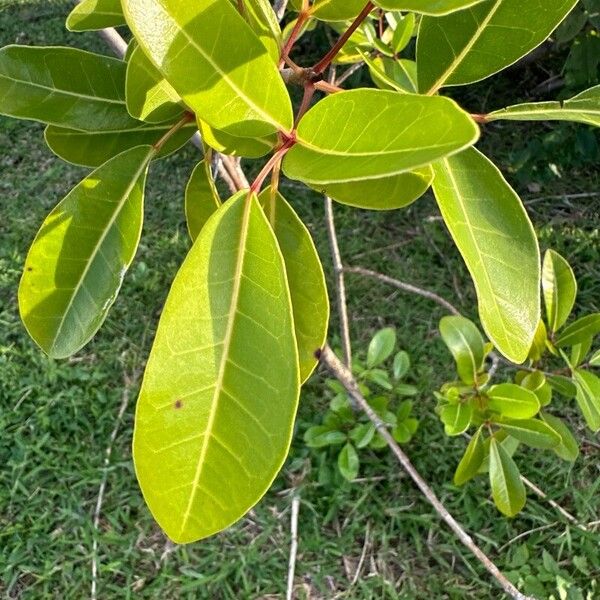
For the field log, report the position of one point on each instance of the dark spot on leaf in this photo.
(318, 353)
(30, 268)
(178, 404)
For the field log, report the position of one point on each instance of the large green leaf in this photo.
(466, 344)
(579, 331)
(560, 289)
(79, 258)
(91, 15)
(472, 44)
(150, 97)
(263, 20)
(201, 198)
(496, 239)
(215, 62)
(588, 397)
(215, 414)
(508, 490)
(533, 432)
(427, 7)
(513, 401)
(232, 145)
(369, 134)
(305, 276)
(65, 87)
(583, 108)
(92, 149)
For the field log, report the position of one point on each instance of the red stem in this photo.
(289, 44)
(272, 162)
(328, 58)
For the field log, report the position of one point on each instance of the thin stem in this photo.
(328, 88)
(303, 16)
(271, 164)
(328, 58)
(293, 547)
(345, 377)
(309, 92)
(187, 118)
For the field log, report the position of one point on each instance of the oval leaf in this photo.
(579, 331)
(215, 415)
(560, 289)
(456, 417)
(305, 277)
(496, 239)
(226, 56)
(568, 449)
(381, 347)
(508, 490)
(466, 344)
(532, 432)
(92, 15)
(471, 461)
(513, 401)
(76, 265)
(348, 462)
(372, 134)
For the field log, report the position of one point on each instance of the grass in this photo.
(56, 418)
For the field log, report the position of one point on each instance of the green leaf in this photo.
(580, 351)
(380, 377)
(370, 134)
(403, 32)
(305, 278)
(537, 383)
(64, 87)
(77, 263)
(588, 397)
(381, 347)
(216, 411)
(404, 410)
(427, 7)
(348, 462)
(149, 96)
(563, 385)
(403, 389)
(508, 490)
(456, 417)
(470, 45)
(533, 432)
(469, 464)
(466, 344)
(92, 149)
(583, 108)
(393, 74)
(401, 364)
(595, 359)
(568, 449)
(92, 15)
(560, 289)
(263, 20)
(539, 344)
(579, 331)
(234, 84)
(201, 198)
(321, 436)
(233, 145)
(363, 434)
(496, 239)
(336, 10)
(513, 401)
(404, 431)
(385, 193)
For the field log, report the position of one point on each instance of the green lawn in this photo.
(57, 417)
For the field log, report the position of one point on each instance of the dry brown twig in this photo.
(293, 546)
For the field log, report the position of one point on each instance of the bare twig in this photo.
(340, 282)
(279, 7)
(293, 546)
(349, 72)
(565, 513)
(407, 287)
(345, 377)
(128, 384)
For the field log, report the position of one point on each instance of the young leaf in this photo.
(373, 134)
(583, 108)
(305, 277)
(216, 410)
(588, 397)
(456, 417)
(149, 96)
(381, 347)
(560, 289)
(536, 382)
(201, 198)
(226, 56)
(92, 149)
(427, 7)
(471, 461)
(496, 239)
(568, 449)
(401, 364)
(64, 87)
(508, 490)
(92, 15)
(348, 462)
(513, 401)
(77, 263)
(466, 344)
(470, 45)
(579, 331)
(532, 432)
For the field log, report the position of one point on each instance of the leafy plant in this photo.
(508, 414)
(248, 308)
(344, 431)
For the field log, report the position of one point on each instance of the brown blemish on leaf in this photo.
(178, 404)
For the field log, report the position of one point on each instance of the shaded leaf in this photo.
(456, 417)
(560, 289)
(508, 490)
(92, 15)
(201, 198)
(533, 432)
(348, 462)
(321, 436)
(588, 397)
(568, 449)
(381, 347)
(427, 7)
(470, 463)
(579, 331)
(513, 401)
(466, 344)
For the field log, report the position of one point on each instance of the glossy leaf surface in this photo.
(496, 239)
(368, 134)
(560, 289)
(533, 432)
(223, 88)
(305, 277)
(216, 410)
(466, 344)
(472, 44)
(77, 263)
(508, 490)
(513, 401)
(91, 15)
